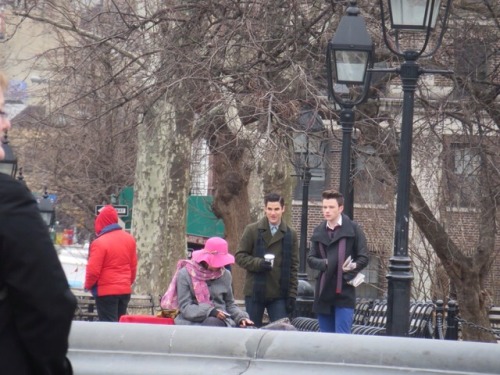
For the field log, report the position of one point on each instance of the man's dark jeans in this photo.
(111, 308)
(276, 309)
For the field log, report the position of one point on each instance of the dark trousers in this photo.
(276, 309)
(111, 308)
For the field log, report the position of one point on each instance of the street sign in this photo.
(122, 210)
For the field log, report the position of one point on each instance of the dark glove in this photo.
(265, 266)
(213, 313)
(290, 305)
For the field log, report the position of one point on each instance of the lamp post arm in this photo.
(437, 71)
(384, 70)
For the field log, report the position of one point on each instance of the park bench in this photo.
(421, 316)
(421, 319)
(362, 311)
(86, 310)
(375, 320)
(370, 318)
(494, 317)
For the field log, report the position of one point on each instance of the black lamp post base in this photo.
(305, 299)
(398, 297)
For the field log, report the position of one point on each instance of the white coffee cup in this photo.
(269, 258)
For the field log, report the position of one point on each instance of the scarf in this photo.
(199, 277)
(109, 228)
(259, 285)
(341, 260)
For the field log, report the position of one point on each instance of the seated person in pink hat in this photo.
(201, 289)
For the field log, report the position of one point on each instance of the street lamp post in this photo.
(349, 57)
(309, 149)
(20, 177)
(46, 208)
(306, 180)
(407, 16)
(9, 163)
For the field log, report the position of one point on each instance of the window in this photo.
(471, 58)
(200, 169)
(471, 63)
(368, 177)
(463, 179)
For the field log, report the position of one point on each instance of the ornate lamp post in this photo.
(20, 177)
(348, 59)
(309, 143)
(47, 209)
(407, 16)
(9, 164)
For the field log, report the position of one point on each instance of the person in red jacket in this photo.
(112, 266)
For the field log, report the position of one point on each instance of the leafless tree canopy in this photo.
(237, 74)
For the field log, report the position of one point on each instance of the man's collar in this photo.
(274, 225)
(339, 223)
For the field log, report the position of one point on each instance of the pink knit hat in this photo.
(215, 253)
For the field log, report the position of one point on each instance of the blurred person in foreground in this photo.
(112, 266)
(36, 303)
(201, 289)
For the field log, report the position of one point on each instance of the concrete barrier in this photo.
(129, 349)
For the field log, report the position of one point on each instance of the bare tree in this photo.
(237, 74)
(454, 192)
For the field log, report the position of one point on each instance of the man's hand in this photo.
(290, 305)
(245, 323)
(348, 265)
(265, 266)
(219, 314)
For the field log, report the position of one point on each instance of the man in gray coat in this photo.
(269, 285)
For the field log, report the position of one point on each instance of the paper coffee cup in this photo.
(269, 258)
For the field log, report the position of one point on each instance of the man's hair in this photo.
(333, 194)
(273, 197)
(4, 83)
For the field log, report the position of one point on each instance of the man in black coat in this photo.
(36, 304)
(339, 252)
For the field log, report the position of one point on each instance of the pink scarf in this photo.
(199, 277)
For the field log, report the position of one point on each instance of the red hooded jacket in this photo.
(112, 264)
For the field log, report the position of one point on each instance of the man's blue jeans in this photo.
(338, 321)
(276, 309)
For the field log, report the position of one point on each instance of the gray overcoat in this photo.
(221, 295)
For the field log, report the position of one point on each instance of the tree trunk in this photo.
(473, 307)
(466, 269)
(231, 203)
(161, 191)
(241, 183)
